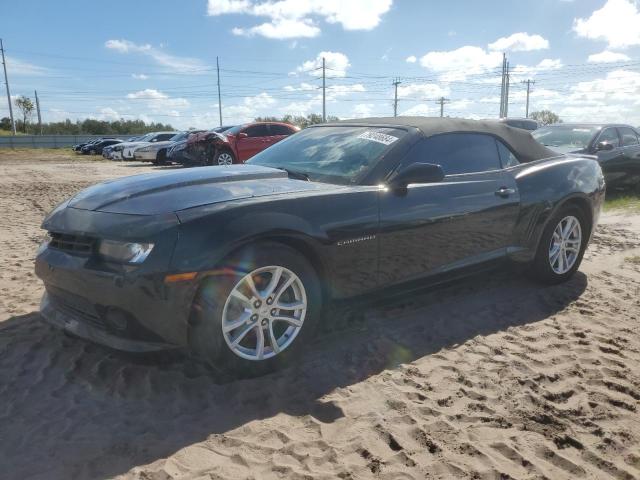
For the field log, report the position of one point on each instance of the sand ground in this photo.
(493, 377)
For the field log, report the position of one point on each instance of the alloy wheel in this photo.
(565, 245)
(225, 159)
(264, 313)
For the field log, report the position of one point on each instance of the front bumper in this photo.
(125, 311)
(78, 325)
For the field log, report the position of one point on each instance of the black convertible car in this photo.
(237, 262)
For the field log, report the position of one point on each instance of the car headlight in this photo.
(44, 243)
(125, 252)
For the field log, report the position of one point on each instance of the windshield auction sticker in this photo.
(379, 137)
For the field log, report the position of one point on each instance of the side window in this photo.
(629, 136)
(457, 153)
(609, 135)
(257, 131)
(507, 158)
(277, 129)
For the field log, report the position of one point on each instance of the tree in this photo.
(299, 120)
(5, 123)
(25, 105)
(545, 117)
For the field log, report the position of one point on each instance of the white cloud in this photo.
(617, 23)
(362, 110)
(302, 87)
(249, 108)
(460, 63)
(109, 113)
(298, 18)
(281, 29)
(428, 90)
(422, 110)
(607, 56)
(221, 7)
(139, 76)
(182, 64)
(519, 42)
(148, 93)
(411, 59)
(158, 102)
(21, 68)
(336, 64)
(544, 66)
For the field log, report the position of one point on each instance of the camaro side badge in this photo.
(351, 241)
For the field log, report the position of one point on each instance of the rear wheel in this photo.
(562, 246)
(258, 315)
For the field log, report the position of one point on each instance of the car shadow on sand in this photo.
(71, 409)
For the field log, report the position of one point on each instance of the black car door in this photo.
(630, 163)
(611, 160)
(466, 218)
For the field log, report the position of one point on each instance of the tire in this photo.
(549, 267)
(161, 158)
(245, 321)
(224, 157)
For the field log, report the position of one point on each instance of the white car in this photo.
(126, 149)
(156, 152)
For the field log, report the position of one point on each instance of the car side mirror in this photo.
(242, 135)
(603, 147)
(417, 173)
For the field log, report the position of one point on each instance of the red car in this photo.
(237, 144)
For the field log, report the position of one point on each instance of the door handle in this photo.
(505, 192)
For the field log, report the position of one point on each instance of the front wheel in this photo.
(562, 246)
(258, 314)
(223, 157)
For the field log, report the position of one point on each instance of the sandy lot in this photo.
(493, 377)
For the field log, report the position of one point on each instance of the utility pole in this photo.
(502, 87)
(395, 98)
(506, 94)
(324, 94)
(38, 109)
(442, 101)
(219, 97)
(529, 83)
(6, 82)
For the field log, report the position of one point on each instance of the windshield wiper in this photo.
(295, 174)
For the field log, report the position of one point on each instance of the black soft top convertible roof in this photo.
(521, 142)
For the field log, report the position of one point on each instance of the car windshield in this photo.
(179, 136)
(330, 154)
(144, 138)
(233, 130)
(566, 135)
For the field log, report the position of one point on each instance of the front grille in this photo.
(75, 306)
(77, 244)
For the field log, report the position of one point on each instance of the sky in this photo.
(156, 60)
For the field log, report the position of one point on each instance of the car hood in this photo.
(173, 191)
(158, 145)
(133, 144)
